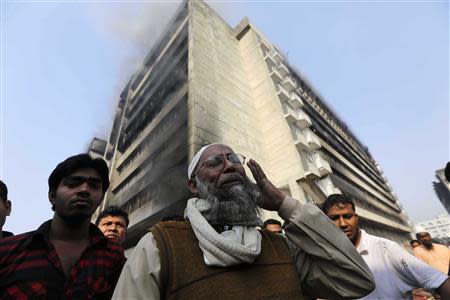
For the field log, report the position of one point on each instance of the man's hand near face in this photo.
(272, 198)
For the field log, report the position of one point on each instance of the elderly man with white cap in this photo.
(436, 255)
(219, 253)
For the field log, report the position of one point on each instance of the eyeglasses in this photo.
(76, 181)
(214, 162)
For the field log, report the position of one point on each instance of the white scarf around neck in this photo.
(241, 244)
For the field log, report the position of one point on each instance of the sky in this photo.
(383, 66)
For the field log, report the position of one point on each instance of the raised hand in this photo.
(271, 196)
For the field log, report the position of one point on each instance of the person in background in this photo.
(436, 255)
(113, 222)
(67, 257)
(273, 225)
(397, 272)
(414, 243)
(5, 209)
(219, 253)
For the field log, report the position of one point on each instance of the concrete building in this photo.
(204, 82)
(438, 228)
(442, 189)
(97, 148)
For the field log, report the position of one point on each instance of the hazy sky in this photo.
(382, 66)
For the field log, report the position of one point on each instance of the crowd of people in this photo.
(219, 249)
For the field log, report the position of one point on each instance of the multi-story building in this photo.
(438, 228)
(205, 82)
(442, 189)
(97, 148)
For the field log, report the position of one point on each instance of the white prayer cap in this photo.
(196, 158)
(419, 229)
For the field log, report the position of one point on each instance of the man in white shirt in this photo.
(396, 271)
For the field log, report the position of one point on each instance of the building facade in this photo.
(438, 228)
(206, 82)
(442, 189)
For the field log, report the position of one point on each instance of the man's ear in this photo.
(51, 196)
(8, 207)
(192, 185)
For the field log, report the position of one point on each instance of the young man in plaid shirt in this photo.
(67, 257)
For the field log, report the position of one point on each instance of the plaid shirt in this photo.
(31, 269)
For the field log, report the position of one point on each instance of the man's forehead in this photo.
(110, 218)
(341, 207)
(215, 149)
(89, 172)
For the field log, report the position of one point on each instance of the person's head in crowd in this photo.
(5, 205)
(216, 174)
(113, 222)
(76, 188)
(273, 225)
(447, 172)
(424, 238)
(414, 243)
(341, 211)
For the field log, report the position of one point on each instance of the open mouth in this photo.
(81, 202)
(232, 180)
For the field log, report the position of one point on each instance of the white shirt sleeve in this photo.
(140, 275)
(328, 264)
(414, 271)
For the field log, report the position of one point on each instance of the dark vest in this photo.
(184, 274)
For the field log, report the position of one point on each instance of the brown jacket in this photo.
(184, 275)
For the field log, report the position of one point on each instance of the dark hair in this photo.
(3, 191)
(75, 163)
(114, 211)
(336, 199)
(271, 221)
(411, 242)
(447, 172)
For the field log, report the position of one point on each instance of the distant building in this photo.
(206, 82)
(442, 189)
(438, 228)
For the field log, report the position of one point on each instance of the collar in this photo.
(42, 234)
(363, 247)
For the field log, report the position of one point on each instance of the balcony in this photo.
(322, 165)
(284, 71)
(265, 46)
(276, 76)
(303, 121)
(289, 83)
(276, 56)
(296, 101)
(290, 114)
(327, 186)
(311, 139)
(271, 63)
(283, 94)
(312, 174)
(299, 139)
